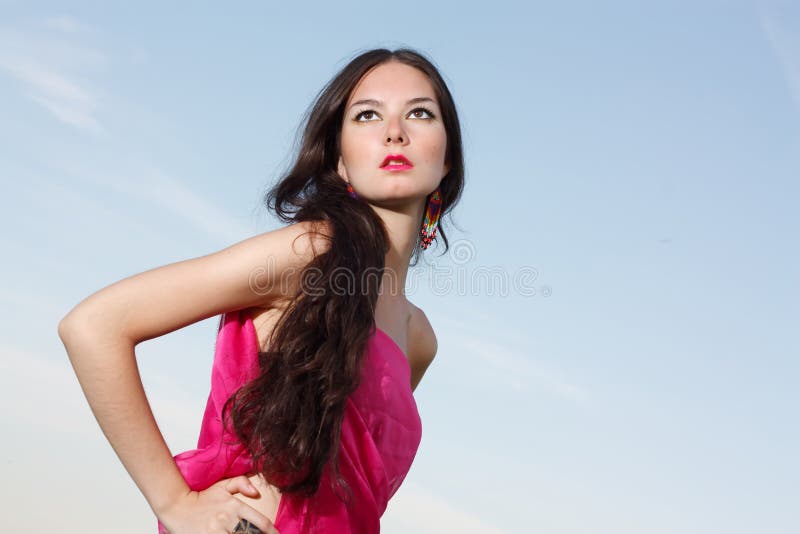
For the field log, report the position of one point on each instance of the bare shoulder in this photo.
(309, 238)
(276, 259)
(422, 344)
(251, 273)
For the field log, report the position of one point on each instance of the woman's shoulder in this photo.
(305, 239)
(303, 236)
(422, 344)
(278, 256)
(292, 245)
(421, 332)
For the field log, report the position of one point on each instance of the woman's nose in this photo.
(395, 132)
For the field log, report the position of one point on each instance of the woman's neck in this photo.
(402, 226)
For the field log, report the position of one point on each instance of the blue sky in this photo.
(632, 166)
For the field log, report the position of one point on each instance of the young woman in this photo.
(311, 425)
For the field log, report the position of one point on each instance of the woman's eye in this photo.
(422, 110)
(363, 113)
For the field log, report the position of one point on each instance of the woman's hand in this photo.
(215, 510)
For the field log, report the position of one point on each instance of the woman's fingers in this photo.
(216, 509)
(242, 484)
(264, 525)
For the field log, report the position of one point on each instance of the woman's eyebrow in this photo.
(378, 103)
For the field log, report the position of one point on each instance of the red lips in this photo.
(397, 158)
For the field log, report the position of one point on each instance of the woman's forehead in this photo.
(393, 81)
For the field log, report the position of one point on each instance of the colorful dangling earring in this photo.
(428, 230)
(351, 191)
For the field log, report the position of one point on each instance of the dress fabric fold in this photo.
(381, 433)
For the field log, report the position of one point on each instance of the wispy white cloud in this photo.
(417, 509)
(63, 23)
(157, 188)
(68, 113)
(781, 25)
(41, 62)
(54, 402)
(46, 65)
(518, 368)
(176, 197)
(28, 300)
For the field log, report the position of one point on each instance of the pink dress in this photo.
(380, 435)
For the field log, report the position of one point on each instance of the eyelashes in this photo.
(426, 110)
(371, 113)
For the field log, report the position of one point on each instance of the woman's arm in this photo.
(101, 332)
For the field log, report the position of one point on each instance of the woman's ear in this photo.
(342, 170)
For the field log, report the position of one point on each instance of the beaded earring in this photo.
(432, 212)
(351, 191)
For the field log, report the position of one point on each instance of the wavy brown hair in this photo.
(290, 417)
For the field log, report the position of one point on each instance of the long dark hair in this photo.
(290, 417)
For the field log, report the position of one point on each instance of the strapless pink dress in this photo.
(381, 433)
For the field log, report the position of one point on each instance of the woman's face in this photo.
(401, 117)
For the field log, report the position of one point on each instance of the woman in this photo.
(311, 425)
